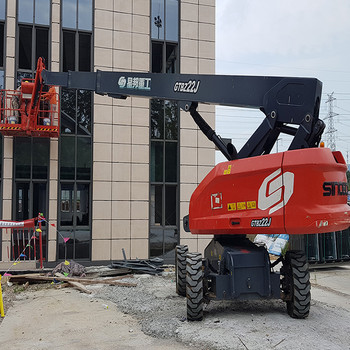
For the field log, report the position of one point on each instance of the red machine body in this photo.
(294, 192)
(30, 111)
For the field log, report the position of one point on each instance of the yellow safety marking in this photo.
(251, 205)
(241, 206)
(228, 170)
(10, 127)
(231, 206)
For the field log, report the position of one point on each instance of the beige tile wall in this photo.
(121, 135)
(197, 153)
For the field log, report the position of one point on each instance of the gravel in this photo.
(228, 325)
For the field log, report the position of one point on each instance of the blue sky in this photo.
(285, 38)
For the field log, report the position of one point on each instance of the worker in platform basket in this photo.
(51, 99)
(15, 102)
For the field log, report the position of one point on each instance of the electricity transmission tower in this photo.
(331, 130)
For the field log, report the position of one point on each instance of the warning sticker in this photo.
(231, 206)
(241, 206)
(228, 170)
(251, 205)
(216, 201)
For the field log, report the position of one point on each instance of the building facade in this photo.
(122, 171)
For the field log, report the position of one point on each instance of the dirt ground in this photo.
(152, 316)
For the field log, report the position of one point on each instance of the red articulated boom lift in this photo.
(300, 191)
(31, 110)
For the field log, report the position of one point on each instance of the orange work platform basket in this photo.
(31, 110)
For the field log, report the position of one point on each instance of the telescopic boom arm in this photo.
(284, 101)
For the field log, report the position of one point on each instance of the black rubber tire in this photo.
(180, 269)
(194, 287)
(296, 284)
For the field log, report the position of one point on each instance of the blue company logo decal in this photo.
(135, 83)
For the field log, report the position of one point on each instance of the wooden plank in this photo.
(76, 285)
(37, 277)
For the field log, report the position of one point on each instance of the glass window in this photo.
(156, 205)
(2, 9)
(171, 162)
(172, 20)
(157, 19)
(156, 241)
(1, 81)
(157, 57)
(82, 205)
(25, 48)
(25, 11)
(41, 155)
(67, 158)
(68, 110)
(42, 12)
(84, 52)
(67, 198)
(84, 112)
(156, 161)
(170, 205)
(85, 14)
(42, 43)
(171, 120)
(83, 158)
(2, 38)
(69, 13)
(22, 151)
(68, 51)
(82, 244)
(157, 119)
(171, 58)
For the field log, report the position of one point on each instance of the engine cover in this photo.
(294, 192)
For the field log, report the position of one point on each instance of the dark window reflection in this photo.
(171, 120)
(156, 161)
(172, 20)
(157, 57)
(42, 44)
(1, 84)
(25, 11)
(157, 19)
(171, 162)
(42, 12)
(66, 205)
(82, 244)
(83, 158)
(22, 201)
(67, 157)
(69, 13)
(85, 52)
(68, 51)
(68, 110)
(156, 242)
(39, 200)
(22, 150)
(41, 156)
(170, 205)
(156, 205)
(85, 14)
(2, 38)
(170, 240)
(25, 48)
(23, 75)
(171, 55)
(82, 205)
(157, 119)
(84, 112)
